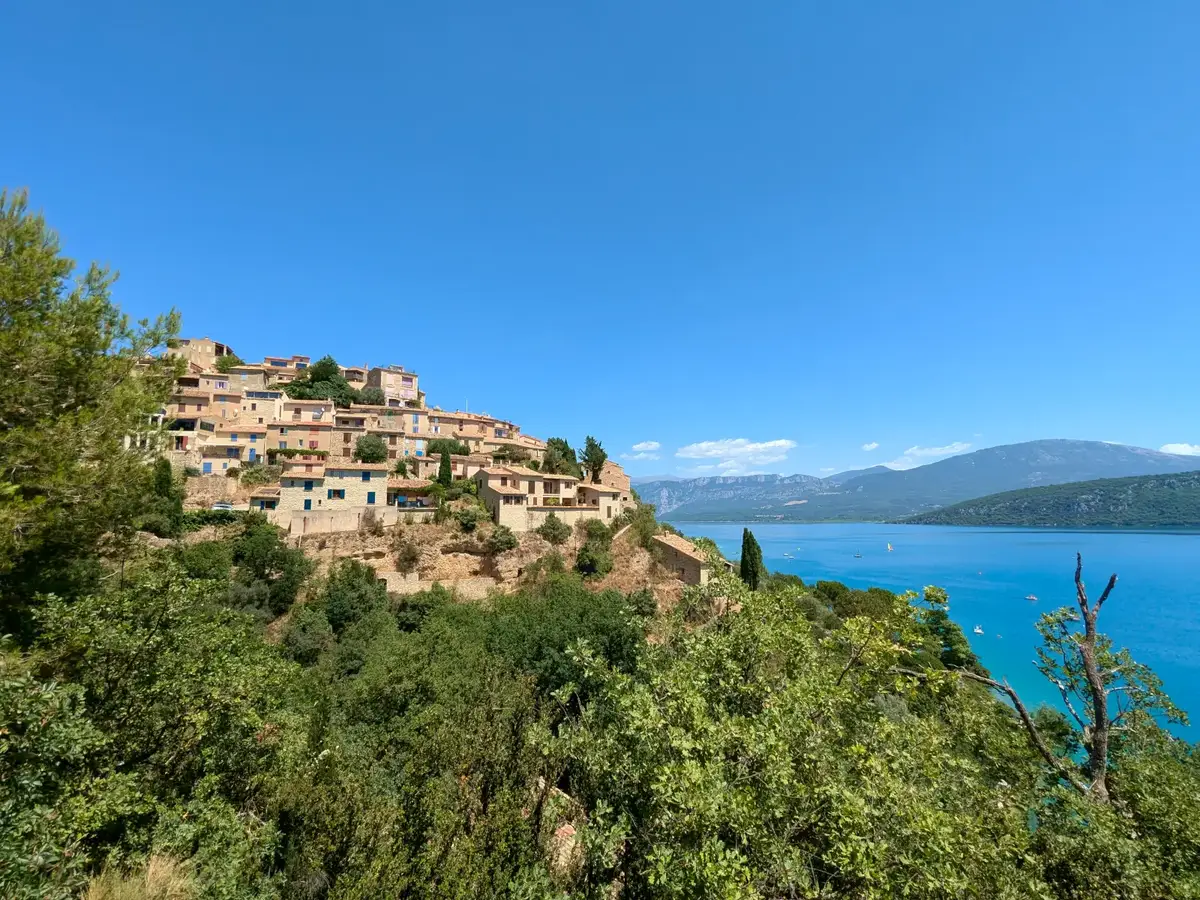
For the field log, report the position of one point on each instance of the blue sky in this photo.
(744, 237)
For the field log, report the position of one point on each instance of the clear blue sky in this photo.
(914, 225)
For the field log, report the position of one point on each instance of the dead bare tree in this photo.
(1102, 688)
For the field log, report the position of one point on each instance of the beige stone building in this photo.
(426, 467)
(400, 387)
(340, 486)
(200, 352)
(521, 498)
(681, 557)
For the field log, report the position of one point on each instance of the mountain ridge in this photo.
(873, 495)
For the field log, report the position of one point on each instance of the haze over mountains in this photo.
(881, 493)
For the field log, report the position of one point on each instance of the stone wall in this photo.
(301, 522)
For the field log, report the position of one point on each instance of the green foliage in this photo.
(46, 744)
(207, 559)
(269, 572)
(643, 526)
(594, 558)
(87, 380)
(226, 363)
(371, 396)
(554, 530)
(752, 569)
(560, 459)
(254, 475)
(401, 468)
(593, 458)
(194, 520)
(370, 448)
(469, 517)
(322, 381)
(445, 474)
(501, 540)
(408, 554)
(351, 593)
(466, 486)
(443, 446)
(163, 513)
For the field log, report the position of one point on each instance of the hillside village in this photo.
(344, 479)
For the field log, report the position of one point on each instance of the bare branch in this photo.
(1062, 689)
(1112, 583)
(1080, 590)
(1034, 737)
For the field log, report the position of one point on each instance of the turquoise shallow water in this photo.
(1154, 610)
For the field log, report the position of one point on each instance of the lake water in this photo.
(1154, 611)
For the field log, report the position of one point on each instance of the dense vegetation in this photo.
(210, 720)
(1150, 501)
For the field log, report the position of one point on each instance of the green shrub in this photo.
(190, 472)
(554, 530)
(263, 557)
(370, 448)
(260, 474)
(593, 561)
(468, 519)
(501, 540)
(352, 591)
(441, 446)
(199, 518)
(207, 559)
(465, 486)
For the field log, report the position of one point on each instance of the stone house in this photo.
(681, 557)
(339, 486)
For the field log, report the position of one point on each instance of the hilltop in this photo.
(1149, 501)
(880, 494)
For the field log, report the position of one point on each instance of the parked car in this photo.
(222, 504)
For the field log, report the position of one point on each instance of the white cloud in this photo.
(828, 469)
(647, 446)
(874, 445)
(915, 456)
(635, 456)
(1181, 449)
(737, 456)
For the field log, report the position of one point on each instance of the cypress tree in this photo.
(445, 476)
(752, 560)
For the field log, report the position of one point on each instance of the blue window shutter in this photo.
(308, 504)
(329, 494)
(308, 485)
(366, 476)
(370, 498)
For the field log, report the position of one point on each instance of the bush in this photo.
(308, 636)
(501, 540)
(597, 533)
(372, 396)
(465, 486)
(441, 512)
(440, 446)
(260, 474)
(549, 564)
(468, 519)
(407, 553)
(401, 468)
(352, 591)
(235, 472)
(207, 559)
(262, 556)
(593, 561)
(370, 524)
(370, 448)
(554, 530)
(191, 472)
(199, 518)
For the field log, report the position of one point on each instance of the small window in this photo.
(283, 430)
(233, 437)
(283, 445)
(253, 438)
(308, 485)
(370, 498)
(366, 476)
(312, 445)
(253, 406)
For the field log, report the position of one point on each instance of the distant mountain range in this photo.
(1148, 501)
(880, 493)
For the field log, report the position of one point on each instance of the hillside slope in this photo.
(876, 495)
(1149, 501)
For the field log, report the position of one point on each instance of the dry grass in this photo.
(163, 878)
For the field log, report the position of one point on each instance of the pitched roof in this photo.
(359, 466)
(409, 484)
(682, 545)
(267, 491)
(602, 488)
(304, 476)
(296, 402)
(505, 489)
(523, 472)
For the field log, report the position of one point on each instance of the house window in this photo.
(283, 445)
(308, 485)
(312, 445)
(221, 385)
(345, 438)
(366, 476)
(283, 430)
(336, 494)
(253, 438)
(253, 406)
(370, 498)
(233, 437)
(391, 454)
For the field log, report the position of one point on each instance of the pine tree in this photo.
(445, 474)
(752, 560)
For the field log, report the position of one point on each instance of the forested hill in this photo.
(1150, 501)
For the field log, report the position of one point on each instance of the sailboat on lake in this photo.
(889, 548)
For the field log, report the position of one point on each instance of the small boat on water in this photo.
(858, 556)
(1032, 598)
(978, 629)
(889, 548)
(788, 556)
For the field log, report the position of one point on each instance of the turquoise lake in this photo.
(1154, 610)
